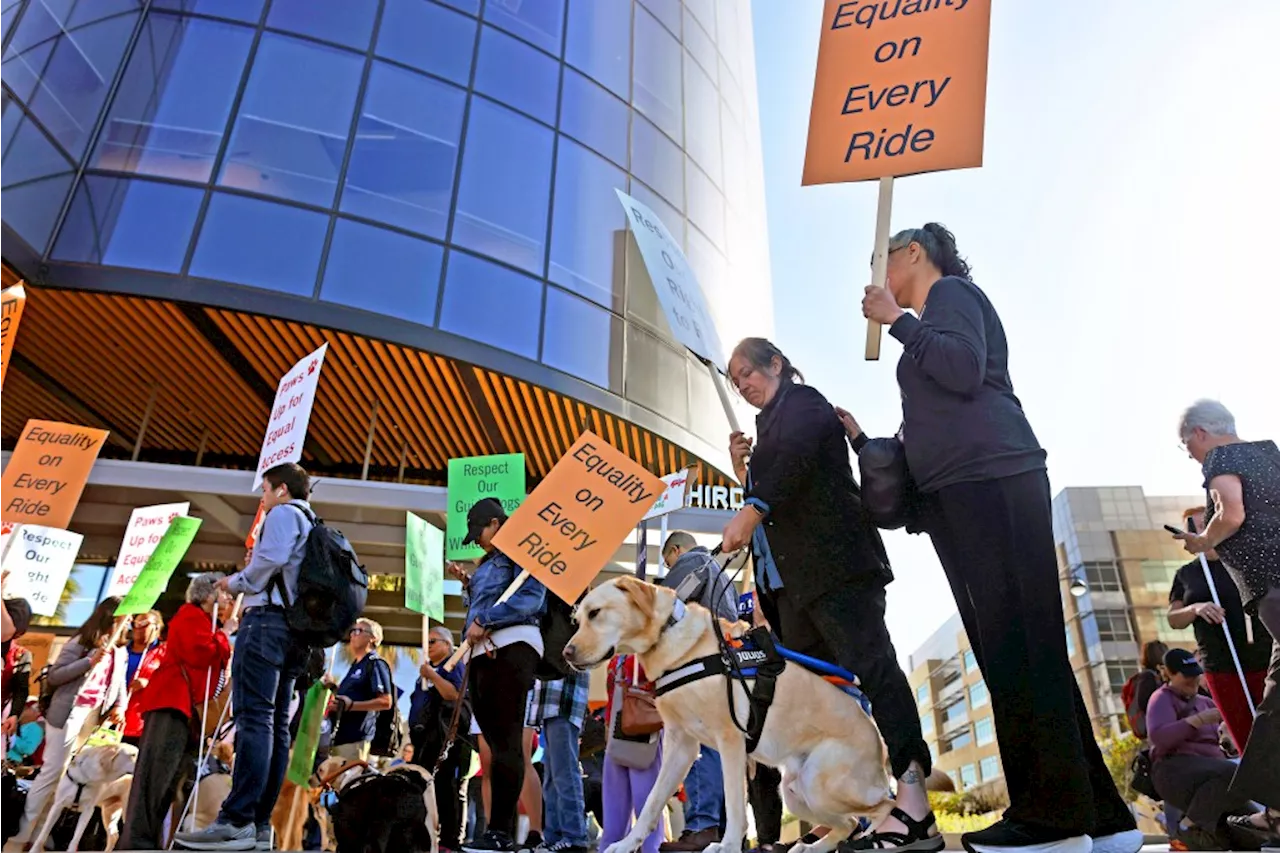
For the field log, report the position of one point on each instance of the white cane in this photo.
(1235, 657)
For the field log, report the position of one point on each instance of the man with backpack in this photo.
(265, 666)
(365, 692)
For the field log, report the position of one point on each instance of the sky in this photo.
(1123, 224)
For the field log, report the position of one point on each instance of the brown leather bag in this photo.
(639, 714)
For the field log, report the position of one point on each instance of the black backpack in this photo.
(557, 629)
(45, 696)
(390, 733)
(332, 587)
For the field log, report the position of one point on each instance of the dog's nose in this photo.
(570, 651)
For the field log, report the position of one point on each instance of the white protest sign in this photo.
(290, 413)
(673, 279)
(146, 527)
(39, 562)
(673, 498)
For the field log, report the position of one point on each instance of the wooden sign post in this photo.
(900, 89)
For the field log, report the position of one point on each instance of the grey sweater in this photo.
(67, 676)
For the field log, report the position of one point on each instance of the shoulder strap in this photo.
(277, 580)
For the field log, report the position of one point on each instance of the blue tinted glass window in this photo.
(125, 223)
(583, 340)
(731, 92)
(591, 115)
(705, 12)
(406, 151)
(7, 16)
(382, 271)
(505, 187)
(31, 209)
(700, 44)
(656, 89)
(668, 11)
(990, 767)
(588, 227)
(292, 128)
(706, 205)
(702, 110)
(260, 243)
(517, 74)
(737, 190)
(241, 10)
(171, 109)
(712, 272)
(599, 42)
(28, 153)
(970, 660)
(471, 7)
(657, 161)
(64, 77)
(657, 375)
(540, 23)
(491, 304)
(968, 776)
(427, 36)
(348, 22)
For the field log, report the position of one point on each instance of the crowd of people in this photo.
(974, 480)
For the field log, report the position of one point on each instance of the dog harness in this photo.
(72, 771)
(757, 658)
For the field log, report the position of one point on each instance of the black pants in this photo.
(847, 627)
(1198, 785)
(451, 796)
(164, 758)
(765, 795)
(995, 542)
(500, 688)
(1259, 775)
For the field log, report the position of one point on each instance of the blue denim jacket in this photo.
(490, 580)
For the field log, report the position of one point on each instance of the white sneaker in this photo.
(1128, 841)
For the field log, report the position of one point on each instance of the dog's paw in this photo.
(626, 845)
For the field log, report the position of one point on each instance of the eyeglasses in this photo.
(355, 631)
(434, 640)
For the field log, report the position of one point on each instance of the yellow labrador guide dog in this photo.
(829, 749)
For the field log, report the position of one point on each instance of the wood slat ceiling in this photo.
(107, 353)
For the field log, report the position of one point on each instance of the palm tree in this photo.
(59, 617)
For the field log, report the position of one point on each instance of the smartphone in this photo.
(1176, 531)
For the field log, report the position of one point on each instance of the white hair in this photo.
(443, 633)
(1208, 415)
(202, 588)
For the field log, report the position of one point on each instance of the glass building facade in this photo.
(438, 174)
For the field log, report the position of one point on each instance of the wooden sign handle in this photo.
(464, 646)
(880, 260)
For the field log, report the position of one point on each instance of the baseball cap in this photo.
(481, 513)
(1182, 662)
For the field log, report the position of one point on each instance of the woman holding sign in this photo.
(506, 644)
(821, 569)
(984, 500)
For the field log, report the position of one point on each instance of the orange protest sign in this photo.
(571, 526)
(256, 528)
(901, 88)
(12, 301)
(47, 472)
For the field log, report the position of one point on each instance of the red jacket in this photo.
(141, 678)
(195, 655)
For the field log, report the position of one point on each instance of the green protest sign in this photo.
(477, 477)
(303, 758)
(423, 567)
(154, 577)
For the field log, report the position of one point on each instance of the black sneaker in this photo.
(492, 841)
(533, 841)
(1015, 836)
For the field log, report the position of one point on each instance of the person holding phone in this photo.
(1242, 484)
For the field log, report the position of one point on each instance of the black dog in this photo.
(383, 814)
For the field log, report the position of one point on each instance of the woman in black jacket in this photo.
(821, 568)
(986, 506)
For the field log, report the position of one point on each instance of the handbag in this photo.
(636, 752)
(888, 491)
(639, 714)
(1140, 774)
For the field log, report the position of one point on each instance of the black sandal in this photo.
(916, 839)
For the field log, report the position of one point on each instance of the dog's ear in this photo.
(643, 595)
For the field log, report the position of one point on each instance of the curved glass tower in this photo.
(422, 177)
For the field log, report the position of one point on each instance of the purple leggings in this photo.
(624, 793)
